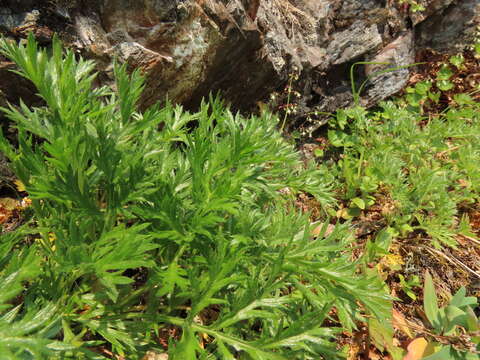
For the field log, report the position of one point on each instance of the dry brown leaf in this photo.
(373, 355)
(153, 355)
(4, 215)
(464, 183)
(318, 229)
(400, 323)
(7, 205)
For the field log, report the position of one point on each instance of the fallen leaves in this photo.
(400, 323)
(11, 208)
(7, 208)
(322, 229)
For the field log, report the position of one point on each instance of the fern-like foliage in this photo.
(166, 220)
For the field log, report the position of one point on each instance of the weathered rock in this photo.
(452, 29)
(11, 20)
(245, 49)
(357, 40)
(13, 87)
(399, 54)
(431, 7)
(248, 48)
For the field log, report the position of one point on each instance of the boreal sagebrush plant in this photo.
(164, 221)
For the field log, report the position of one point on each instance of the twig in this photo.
(471, 239)
(451, 259)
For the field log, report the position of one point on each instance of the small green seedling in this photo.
(455, 319)
(457, 61)
(414, 5)
(443, 78)
(409, 284)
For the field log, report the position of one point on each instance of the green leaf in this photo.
(252, 349)
(473, 323)
(423, 87)
(173, 276)
(336, 138)
(384, 238)
(186, 348)
(224, 352)
(457, 60)
(318, 152)
(414, 99)
(445, 353)
(430, 302)
(477, 48)
(455, 317)
(434, 96)
(359, 203)
(305, 330)
(459, 300)
(444, 85)
(463, 99)
(445, 73)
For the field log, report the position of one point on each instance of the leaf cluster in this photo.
(145, 222)
(426, 168)
(455, 319)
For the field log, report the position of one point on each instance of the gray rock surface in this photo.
(451, 29)
(247, 48)
(398, 53)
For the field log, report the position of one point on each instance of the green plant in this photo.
(457, 61)
(443, 78)
(456, 319)
(169, 220)
(414, 5)
(26, 327)
(289, 107)
(424, 167)
(409, 284)
(421, 95)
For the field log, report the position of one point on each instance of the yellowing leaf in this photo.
(52, 237)
(394, 260)
(343, 213)
(8, 203)
(359, 203)
(464, 183)
(416, 349)
(380, 334)
(20, 186)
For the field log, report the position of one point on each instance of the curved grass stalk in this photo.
(356, 94)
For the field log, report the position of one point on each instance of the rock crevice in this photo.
(247, 48)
